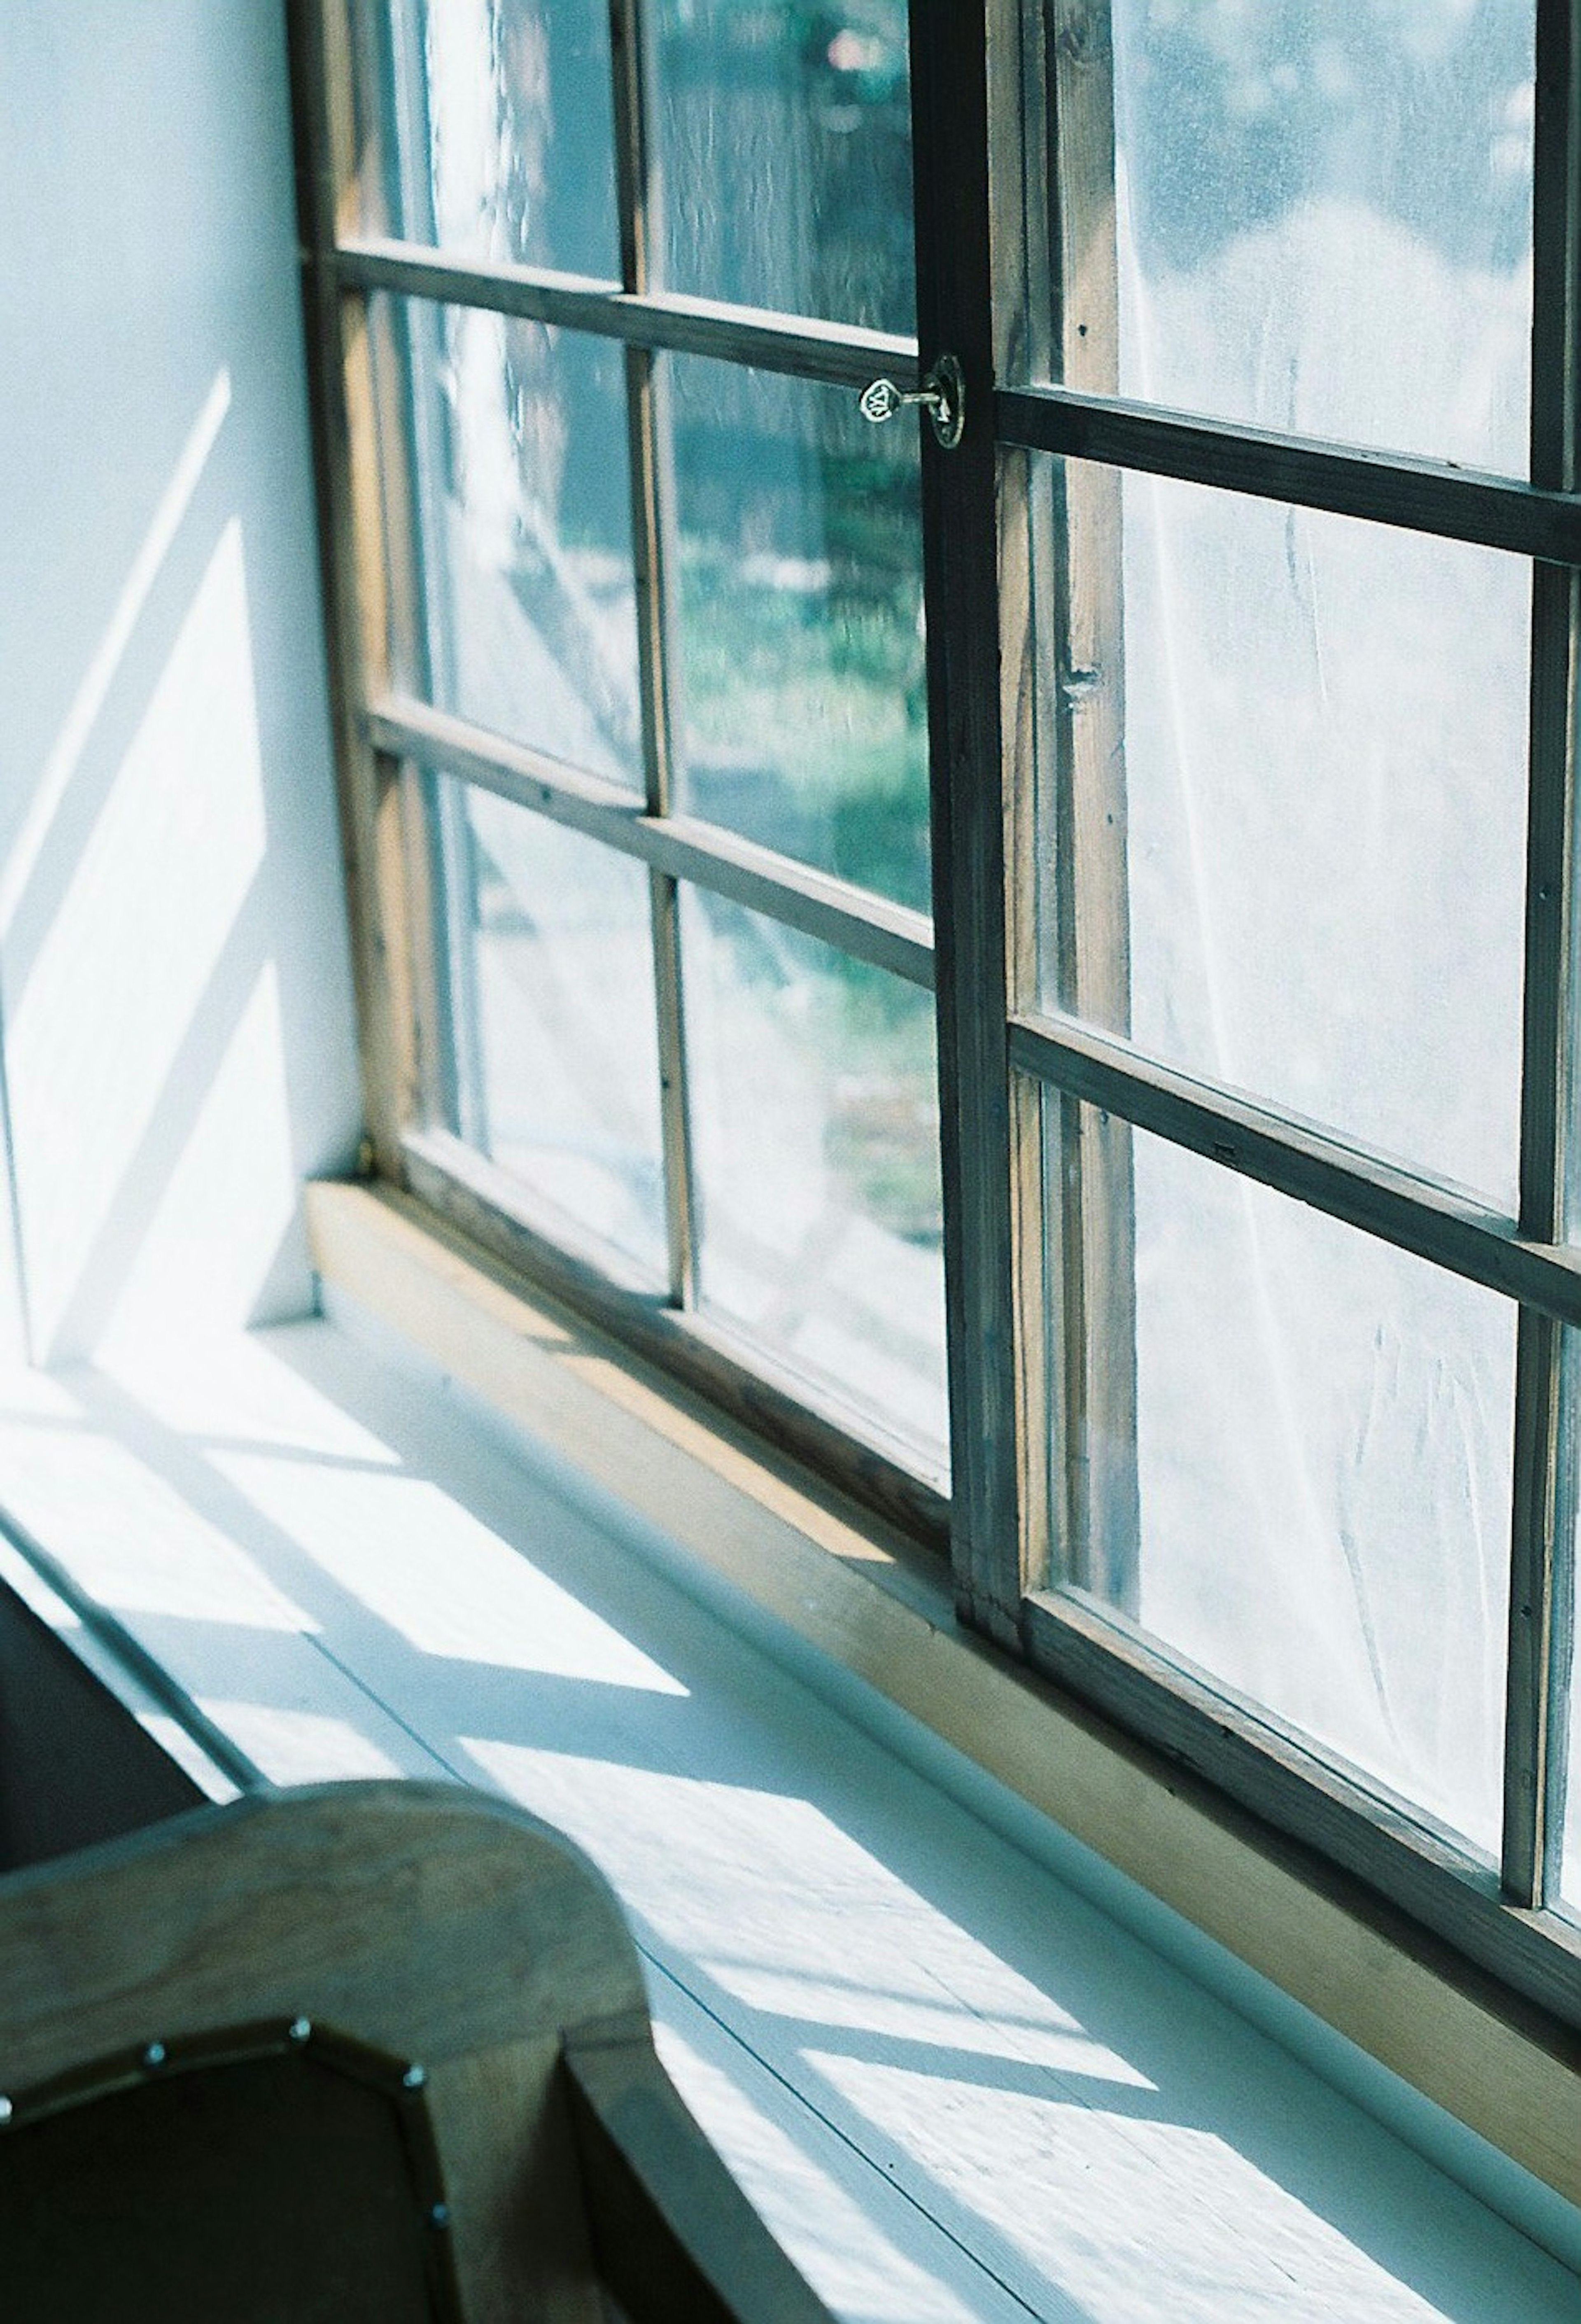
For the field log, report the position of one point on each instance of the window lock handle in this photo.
(942, 395)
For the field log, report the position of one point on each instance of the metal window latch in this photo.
(942, 395)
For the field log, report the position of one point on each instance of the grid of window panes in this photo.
(684, 586)
(1304, 778)
(1286, 410)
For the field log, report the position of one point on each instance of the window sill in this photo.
(869, 1622)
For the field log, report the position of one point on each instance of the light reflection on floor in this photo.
(955, 2089)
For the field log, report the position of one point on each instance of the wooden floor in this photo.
(953, 2087)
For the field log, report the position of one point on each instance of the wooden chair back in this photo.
(368, 2051)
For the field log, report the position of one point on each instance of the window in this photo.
(1174, 775)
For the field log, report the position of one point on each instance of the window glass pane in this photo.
(1570, 1860)
(1570, 1879)
(1322, 1454)
(815, 1139)
(1324, 217)
(784, 137)
(801, 681)
(555, 1057)
(1294, 798)
(496, 124)
(525, 617)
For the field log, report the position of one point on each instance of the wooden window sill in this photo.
(870, 1621)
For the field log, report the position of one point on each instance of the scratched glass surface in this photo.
(1570, 1881)
(815, 1138)
(1314, 823)
(1570, 1860)
(1322, 1456)
(555, 1061)
(495, 127)
(525, 603)
(1323, 222)
(803, 685)
(784, 137)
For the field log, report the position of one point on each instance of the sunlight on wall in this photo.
(103, 665)
(229, 1203)
(133, 951)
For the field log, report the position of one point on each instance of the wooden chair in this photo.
(370, 2051)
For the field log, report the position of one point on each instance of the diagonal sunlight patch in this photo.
(232, 1386)
(131, 951)
(1006, 2031)
(224, 1195)
(1112, 2209)
(35, 1593)
(830, 2235)
(298, 1747)
(78, 723)
(175, 1744)
(777, 1904)
(40, 1398)
(128, 1537)
(425, 1566)
(1085, 2188)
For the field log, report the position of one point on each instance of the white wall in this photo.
(174, 978)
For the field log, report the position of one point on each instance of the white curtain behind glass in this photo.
(1324, 229)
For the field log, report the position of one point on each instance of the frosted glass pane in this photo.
(803, 678)
(526, 616)
(1570, 1880)
(815, 1139)
(1320, 806)
(785, 140)
(1324, 222)
(1323, 1449)
(552, 1007)
(1570, 1861)
(496, 122)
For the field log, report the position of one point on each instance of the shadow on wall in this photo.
(179, 1043)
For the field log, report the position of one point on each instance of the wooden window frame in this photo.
(391, 745)
(1013, 1525)
(974, 234)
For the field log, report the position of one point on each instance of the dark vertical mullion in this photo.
(653, 520)
(960, 575)
(1543, 1520)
